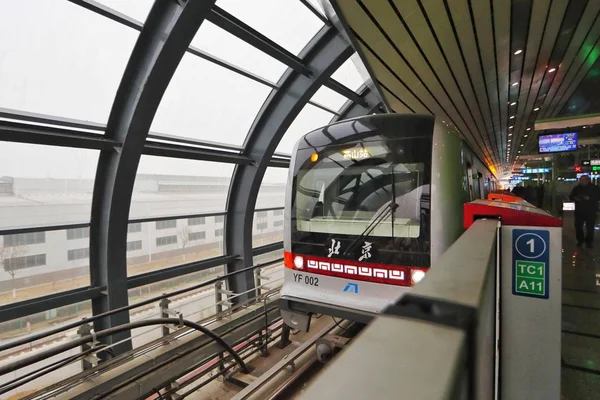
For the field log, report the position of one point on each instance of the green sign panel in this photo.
(531, 262)
(530, 277)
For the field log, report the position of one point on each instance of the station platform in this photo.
(580, 317)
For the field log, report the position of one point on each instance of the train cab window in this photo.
(353, 195)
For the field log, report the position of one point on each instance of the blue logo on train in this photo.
(351, 288)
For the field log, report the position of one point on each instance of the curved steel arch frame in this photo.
(164, 39)
(324, 54)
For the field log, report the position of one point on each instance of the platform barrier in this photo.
(484, 323)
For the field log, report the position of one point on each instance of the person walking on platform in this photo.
(586, 196)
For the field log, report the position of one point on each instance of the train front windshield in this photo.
(373, 192)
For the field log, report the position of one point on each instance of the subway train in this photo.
(371, 203)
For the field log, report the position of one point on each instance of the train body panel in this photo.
(371, 203)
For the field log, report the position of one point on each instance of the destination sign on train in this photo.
(355, 154)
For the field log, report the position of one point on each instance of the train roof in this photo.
(361, 128)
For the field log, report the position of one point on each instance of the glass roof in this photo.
(59, 76)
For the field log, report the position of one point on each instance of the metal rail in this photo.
(145, 349)
(255, 386)
(86, 320)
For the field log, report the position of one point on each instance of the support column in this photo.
(164, 39)
(326, 52)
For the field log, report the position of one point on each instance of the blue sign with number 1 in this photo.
(531, 263)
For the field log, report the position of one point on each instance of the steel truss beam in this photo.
(325, 53)
(50, 136)
(353, 109)
(40, 304)
(164, 39)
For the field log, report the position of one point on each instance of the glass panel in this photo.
(307, 120)
(176, 242)
(348, 74)
(138, 9)
(167, 186)
(329, 98)
(16, 328)
(208, 102)
(45, 185)
(224, 45)
(41, 263)
(195, 305)
(61, 59)
(272, 188)
(287, 22)
(270, 256)
(267, 228)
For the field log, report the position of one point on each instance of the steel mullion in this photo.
(344, 91)
(178, 270)
(243, 31)
(25, 133)
(39, 304)
(193, 153)
(322, 107)
(316, 12)
(115, 16)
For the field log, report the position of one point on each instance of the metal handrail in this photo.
(142, 303)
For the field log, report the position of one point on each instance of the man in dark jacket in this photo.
(586, 196)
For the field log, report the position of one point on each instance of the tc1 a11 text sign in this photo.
(531, 263)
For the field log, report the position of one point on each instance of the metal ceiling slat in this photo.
(421, 31)
(585, 50)
(404, 48)
(571, 19)
(556, 13)
(442, 28)
(392, 82)
(366, 32)
(462, 22)
(396, 103)
(572, 16)
(484, 38)
(502, 18)
(395, 85)
(539, 15)
(588, 20)
(583, 71)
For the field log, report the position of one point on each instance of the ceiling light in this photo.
(518, 52)
(511, 117)
(521, 145)
(525, 136)
(519, 151)
(515, 84)
(513, 103)
(510, 134)
(536, 109)
(552, 70)
(510, 127)
(528, 129)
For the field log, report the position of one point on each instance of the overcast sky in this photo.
(60, 59)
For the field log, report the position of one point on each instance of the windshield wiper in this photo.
(383, 215)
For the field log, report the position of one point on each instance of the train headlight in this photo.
(417, 275)
(299, 262)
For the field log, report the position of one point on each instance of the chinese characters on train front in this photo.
(365, 252)
(355, 154)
